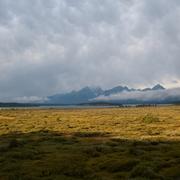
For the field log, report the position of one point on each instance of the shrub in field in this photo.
(150, 118)
(118, 165)
(144, 171)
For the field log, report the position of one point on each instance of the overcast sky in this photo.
(51, 46)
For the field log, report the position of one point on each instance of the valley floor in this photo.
(101, 144)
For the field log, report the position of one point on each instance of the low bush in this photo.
(144, 171)
(119, 165)
(150, 118)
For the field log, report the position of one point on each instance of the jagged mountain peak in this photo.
(96, 90)
(158, 87)
(154, 88)
(115, 90)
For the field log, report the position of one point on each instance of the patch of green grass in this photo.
(50, 155)
(150, 118)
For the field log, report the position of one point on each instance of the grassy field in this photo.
(100, 144)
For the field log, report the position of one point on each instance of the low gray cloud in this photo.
(54, 46)
(152, 95)
(29, 99)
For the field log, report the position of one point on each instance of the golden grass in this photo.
(119, 122)
(106, 143)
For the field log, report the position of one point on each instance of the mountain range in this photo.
(90, 95)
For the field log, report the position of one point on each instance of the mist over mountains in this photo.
(97, 96)
(119, 94)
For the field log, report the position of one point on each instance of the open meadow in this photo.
(101, 144)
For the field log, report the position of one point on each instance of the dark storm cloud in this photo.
(57, 45)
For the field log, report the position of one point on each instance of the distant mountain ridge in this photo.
(85, 94)
(156, 87)
(76, 97)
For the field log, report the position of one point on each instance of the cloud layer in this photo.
(57, 45)
(144, 96)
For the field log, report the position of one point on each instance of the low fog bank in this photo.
(167, 95)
